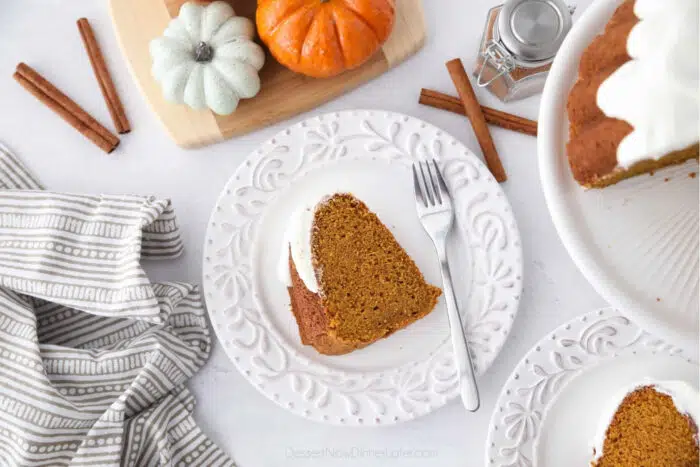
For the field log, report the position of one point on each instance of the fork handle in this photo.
(465, 370)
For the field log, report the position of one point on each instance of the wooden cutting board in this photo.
(283, 94)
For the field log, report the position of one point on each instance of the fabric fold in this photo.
(93, 356)
(85, 251)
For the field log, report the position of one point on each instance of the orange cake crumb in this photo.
(648, 430)
(368, 285)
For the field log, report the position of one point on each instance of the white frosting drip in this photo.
(657, 91)
(685, 398)
(297, 238)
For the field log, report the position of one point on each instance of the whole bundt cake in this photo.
(634, 107)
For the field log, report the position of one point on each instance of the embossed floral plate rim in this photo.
(545, 370)
(300, 384)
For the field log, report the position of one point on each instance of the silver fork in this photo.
(436, 214)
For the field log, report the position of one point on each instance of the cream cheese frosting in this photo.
(297, 240)
(685, 398)
(657, 91)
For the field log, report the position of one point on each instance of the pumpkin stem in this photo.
(203, 52)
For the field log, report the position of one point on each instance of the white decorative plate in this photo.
(369, 154)
(547, 408)
(636, 242)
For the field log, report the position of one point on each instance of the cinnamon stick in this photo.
(476, 117)
(495, 117)
(104, 79)
(66, 108)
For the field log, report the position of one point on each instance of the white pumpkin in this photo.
(207, 58)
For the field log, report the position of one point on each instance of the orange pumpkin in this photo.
(322, 38)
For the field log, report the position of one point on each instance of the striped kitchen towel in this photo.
(93, 356)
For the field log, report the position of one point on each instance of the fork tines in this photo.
(430, 187)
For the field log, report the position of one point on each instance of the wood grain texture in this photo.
(283, 94)
(408, 35)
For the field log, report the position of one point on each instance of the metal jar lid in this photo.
(533, 30)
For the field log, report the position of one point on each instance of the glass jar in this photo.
(520, 40)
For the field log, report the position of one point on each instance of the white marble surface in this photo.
(252, 429)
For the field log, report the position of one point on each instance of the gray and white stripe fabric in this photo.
(93, 356)
(13, 174)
